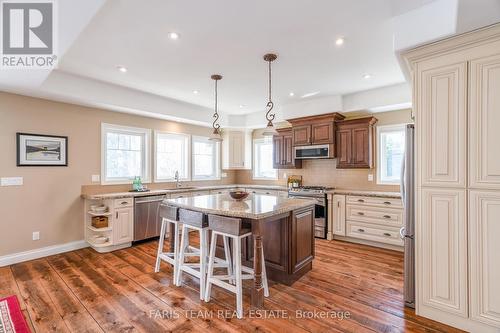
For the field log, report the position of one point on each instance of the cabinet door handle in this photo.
(361, 200)
(387, 234)
(387, 202)
(338, 204)
(116, 214)
(124, 202)
(387, 216)
(361, 230)
(361, 213)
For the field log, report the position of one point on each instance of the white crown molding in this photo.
(15, 258)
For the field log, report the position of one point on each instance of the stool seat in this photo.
(168, 212)
(228, 225)
(192, 218)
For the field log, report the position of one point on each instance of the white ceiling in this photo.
(230, 37)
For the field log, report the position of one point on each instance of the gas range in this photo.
(309, 191)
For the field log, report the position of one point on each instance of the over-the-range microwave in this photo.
(312, 152)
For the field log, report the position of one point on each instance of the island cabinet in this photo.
(315, 130)
(283, 157)
(355, 143)
(288, 242)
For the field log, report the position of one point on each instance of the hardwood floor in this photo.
(84, 291)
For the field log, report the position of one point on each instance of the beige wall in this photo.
(49, 201)
(324, 172)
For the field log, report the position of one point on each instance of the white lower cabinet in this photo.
(484, 250)
(337, 215)
(443, 243)
(123, 223)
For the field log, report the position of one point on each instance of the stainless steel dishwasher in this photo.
(147, 223)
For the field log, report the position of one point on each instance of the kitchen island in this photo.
(283, 226)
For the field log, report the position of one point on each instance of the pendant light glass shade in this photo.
(216, 136)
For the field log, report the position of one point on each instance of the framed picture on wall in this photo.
(41, 150)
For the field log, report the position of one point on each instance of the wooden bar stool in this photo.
(234, 229)
(192, 220)
(168, 214)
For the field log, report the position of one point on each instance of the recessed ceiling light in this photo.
(122, 69)
(242, 106)
(310, 94)
(291, 94)
(173, 35)
(195, 92)
(339, 41)
(367, 76)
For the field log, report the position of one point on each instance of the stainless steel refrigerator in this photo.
(408, 230)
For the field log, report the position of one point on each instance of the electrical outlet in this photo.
(285, 176)
(370, 177)
(96, 178)
(11, 181)
(36, 235)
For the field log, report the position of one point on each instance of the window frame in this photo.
(255, 142)
(216, 160)
(380, 130)
(146, 152)
(155, 157)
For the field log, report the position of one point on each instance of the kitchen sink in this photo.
(184, 188)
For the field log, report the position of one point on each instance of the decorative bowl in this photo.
(238, 195)
(98, 208)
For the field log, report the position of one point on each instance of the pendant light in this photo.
(270, 130)
(216, 134)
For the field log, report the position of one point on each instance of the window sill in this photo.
(389, 183)
(264, 178)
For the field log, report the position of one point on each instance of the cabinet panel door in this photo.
(338, 214)
(123, 225)
(288, 158)
(322, 133)
(360, 147)
(484, 130)
(236, 150)
(302, 244)
(484, 229)
(443, 243)
(442, 131)
(277, 151)
(344, 147)
(301, 135)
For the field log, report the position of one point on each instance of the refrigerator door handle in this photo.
(402, 232)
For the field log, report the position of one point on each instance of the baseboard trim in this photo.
(15, 258)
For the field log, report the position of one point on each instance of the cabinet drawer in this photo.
(124, 202)
(260, 191)
(374, 201)
(370, 232)
(387, 216)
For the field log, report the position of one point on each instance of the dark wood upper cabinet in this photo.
(301, 135)
(355, 143)
(283, 157)
(322, 133)
(315, 130)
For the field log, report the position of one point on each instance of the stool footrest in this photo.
(223, 284)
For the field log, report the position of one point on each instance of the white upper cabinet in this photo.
(442, 131)
(484, 123)
(484, 250)
(237, 150)
(443, 260)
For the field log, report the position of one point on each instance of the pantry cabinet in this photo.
(355, 143)
(456, 106)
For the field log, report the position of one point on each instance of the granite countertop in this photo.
(365, 193)
(255, 206)
(119, 195)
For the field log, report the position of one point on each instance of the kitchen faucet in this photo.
(177, 184)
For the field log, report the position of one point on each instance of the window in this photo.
(205, 158)
(263, 160)
(124, 154)
(391, 146)
(171, 155)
